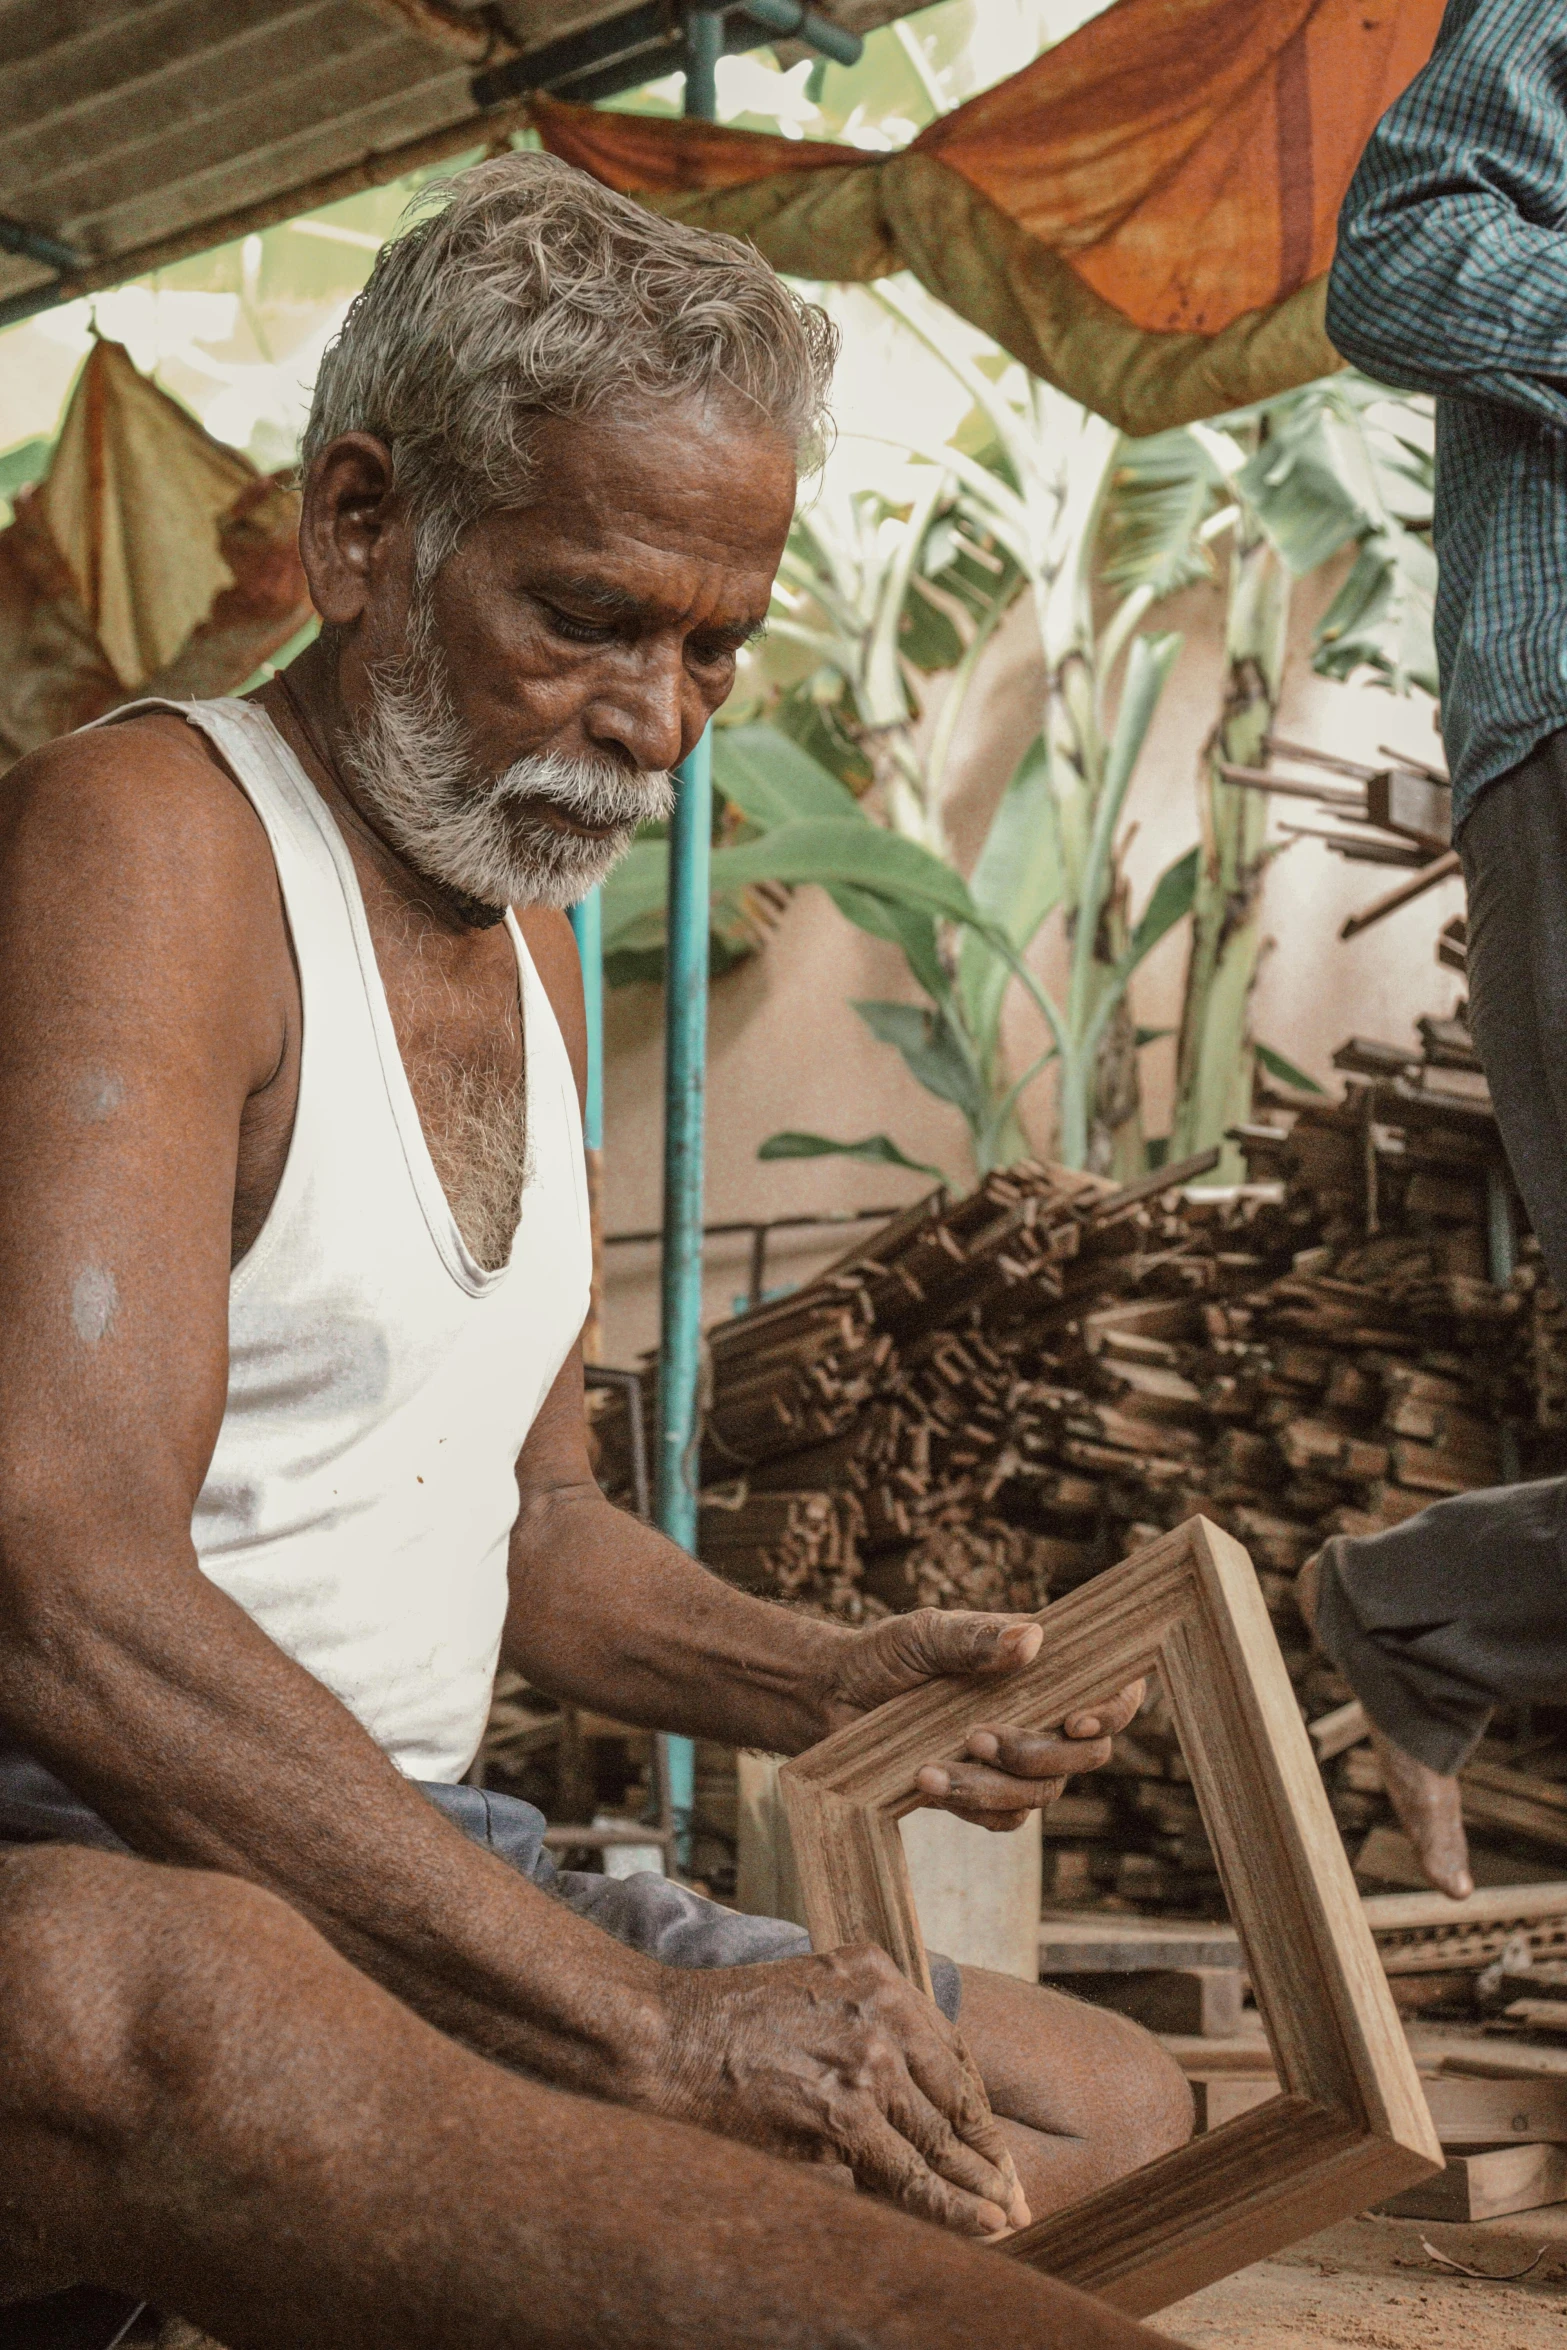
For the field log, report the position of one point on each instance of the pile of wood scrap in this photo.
(1499, 2103)
(1398, 814)
(913, 1389)
(776, 1540)
(994, 1398)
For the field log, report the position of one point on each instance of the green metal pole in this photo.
(587, 921)
(685, 1085)
(704, 47)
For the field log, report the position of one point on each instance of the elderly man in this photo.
(294, 1243)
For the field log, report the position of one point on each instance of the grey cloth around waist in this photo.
(646, 1912)
(1438, 1621)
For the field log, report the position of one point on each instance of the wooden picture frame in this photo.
(1350, 2125)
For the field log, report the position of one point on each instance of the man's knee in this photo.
(1076, 2071)
(1133, 2102)
(1156, 2112)
(98, 1955)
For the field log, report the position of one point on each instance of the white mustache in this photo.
(487, 835)
(593, 792)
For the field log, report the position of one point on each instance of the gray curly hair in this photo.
(527, 289)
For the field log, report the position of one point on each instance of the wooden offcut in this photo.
(1429, 1933)
(1349, 2126)
(1206, 2000)
(1107, 1943)
(991, 1400)
(1487, 2185)
(1468, 2115)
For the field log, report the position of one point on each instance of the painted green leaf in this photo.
(878, 1147)
(927, 635)
(962, 557)
(1170, 902)
(1161, 491)
(851, 850)
(1148, 667)
(1017, 882)
(27, 462)
(1285, 1071)
(931, 1051)
(774, 780)
(1311, 484)
(637, 888)
(1382, 616)
(901, 926)
(818, 729)
(888, 886)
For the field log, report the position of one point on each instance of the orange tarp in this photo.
(150, 559)
(1145, 215)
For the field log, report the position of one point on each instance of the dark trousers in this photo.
(1463, 1608)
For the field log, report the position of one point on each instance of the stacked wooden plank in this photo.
(995, 1398)
(780, 1541)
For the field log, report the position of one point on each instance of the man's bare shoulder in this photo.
(139, 795)
(137, 885)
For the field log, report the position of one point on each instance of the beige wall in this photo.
(786, 1050)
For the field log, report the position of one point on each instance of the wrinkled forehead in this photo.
(638, 458)
(632, 506)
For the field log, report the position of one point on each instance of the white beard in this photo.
(478, 834)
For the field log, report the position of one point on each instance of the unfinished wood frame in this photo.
(1349, 2126)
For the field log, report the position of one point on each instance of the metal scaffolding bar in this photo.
(587, 920)
(685, 1096)
(644, 43)
(704, 47)
(685, 1086)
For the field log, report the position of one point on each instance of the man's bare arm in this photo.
(145, 963)
(145, 966)
(609, 1612)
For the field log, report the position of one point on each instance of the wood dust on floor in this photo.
(1367, 2287)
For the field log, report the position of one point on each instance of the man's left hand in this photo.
(1004, 1774)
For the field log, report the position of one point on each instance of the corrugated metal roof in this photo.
(133, 131)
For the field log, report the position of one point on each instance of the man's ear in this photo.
(349, 509)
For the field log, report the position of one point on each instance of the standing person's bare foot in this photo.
(1427, 1802)
(1431, 1813)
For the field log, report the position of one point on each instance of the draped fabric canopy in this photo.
(150, 559)
(1144, 216)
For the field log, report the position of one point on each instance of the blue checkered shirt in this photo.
(1451, 278)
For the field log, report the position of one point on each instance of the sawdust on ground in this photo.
(1354, 2289)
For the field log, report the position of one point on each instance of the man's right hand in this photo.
(837, 2059)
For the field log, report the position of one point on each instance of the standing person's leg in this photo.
(202, 2103)
(1465, 1606)
(1433, 1624)
(1514, 850)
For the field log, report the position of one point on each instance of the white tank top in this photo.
(381, 1382)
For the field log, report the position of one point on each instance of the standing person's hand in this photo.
(1005, 1773)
